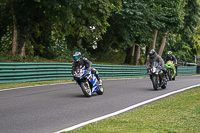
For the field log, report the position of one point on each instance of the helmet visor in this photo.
(151, 55)
(76, 57)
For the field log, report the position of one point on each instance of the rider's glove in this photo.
(148, 69)
(164, 69)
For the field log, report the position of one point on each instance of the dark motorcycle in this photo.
(88, 82)
(157, 76)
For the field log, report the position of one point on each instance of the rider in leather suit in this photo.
(170, 57)
(80, 61)
(154, 57)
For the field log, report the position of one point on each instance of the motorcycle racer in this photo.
(170, 57)
(80, 61)
(154, 57)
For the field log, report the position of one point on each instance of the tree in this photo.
(128, 27)
(168, 17)
(38, 24)
(184, 43)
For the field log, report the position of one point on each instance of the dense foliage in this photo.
(54, 29)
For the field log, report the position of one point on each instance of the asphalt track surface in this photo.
(51, 108)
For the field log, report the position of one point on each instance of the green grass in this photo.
(23, 84)
(179, 113)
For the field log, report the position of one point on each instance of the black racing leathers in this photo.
(171, 58)
(84, 62)
(157, 58)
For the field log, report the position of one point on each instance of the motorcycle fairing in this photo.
(93, 81)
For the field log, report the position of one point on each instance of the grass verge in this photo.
(23, 84)
(179, 113)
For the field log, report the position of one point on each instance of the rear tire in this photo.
(85, 87)
(155, 82)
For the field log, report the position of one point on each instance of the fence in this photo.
(186, 70)
(22, 72)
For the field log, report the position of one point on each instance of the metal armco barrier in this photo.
(109, 71)
(23, 72)
(186, 70)
(198, 69)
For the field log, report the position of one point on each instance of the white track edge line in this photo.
(34, 86)
(55, 84)
(125, 109)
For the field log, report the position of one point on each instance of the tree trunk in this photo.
(146, 53)
(23, 50)
(137, 55)
(153, 43)
(129, 54)
(162, 45)
(14, 45)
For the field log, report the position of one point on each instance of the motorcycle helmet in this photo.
(169, 53)
(152, 53)
(76, 55)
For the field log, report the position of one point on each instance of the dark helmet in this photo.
(152, 53)
(76, 55)
(169, 53)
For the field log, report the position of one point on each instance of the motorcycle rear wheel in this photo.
(155, 82)
(85, 87)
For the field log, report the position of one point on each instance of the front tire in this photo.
(85, 87)
(174, 77)
(101, 90)
(164, 85)
(155, 82)
(169, 74)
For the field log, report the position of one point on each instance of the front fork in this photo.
(174, 72)
(161, 78)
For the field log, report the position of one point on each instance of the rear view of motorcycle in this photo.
(157, 76)
(88, 82)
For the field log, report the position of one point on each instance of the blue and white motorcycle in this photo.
(88, 82)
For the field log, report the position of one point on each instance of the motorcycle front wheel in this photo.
(101, 89)
(169, 74)
(155, 82)
(174, 77)
(164, 85)
(85, 87)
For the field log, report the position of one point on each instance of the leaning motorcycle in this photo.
(88, 82)
(171, 70)
(157, 76)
